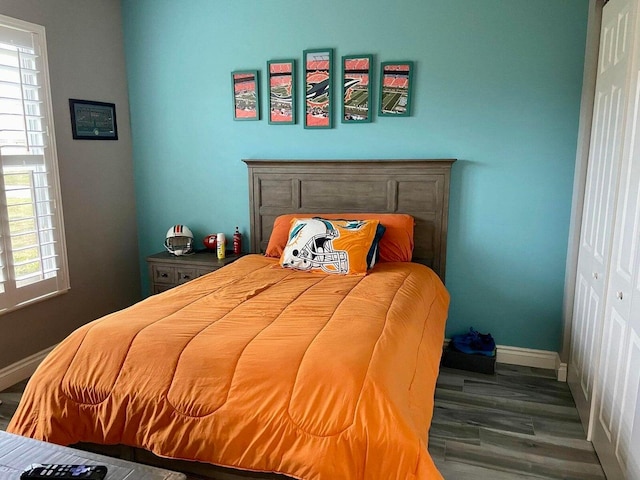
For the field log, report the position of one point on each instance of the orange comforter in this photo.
(259, 368)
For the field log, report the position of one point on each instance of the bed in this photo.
(259, 371)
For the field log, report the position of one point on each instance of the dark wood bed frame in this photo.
(417, 187)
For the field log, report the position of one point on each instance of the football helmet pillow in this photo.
(331, 246)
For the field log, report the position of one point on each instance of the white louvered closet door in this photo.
(616, 416)
(599, 203)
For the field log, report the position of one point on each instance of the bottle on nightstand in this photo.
(237, 242)
(221, 245)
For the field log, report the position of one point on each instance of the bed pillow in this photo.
(396, 245)
(339, 247)
(374, 250)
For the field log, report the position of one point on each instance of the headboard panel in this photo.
(417, 187)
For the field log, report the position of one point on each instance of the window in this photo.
(33, 263)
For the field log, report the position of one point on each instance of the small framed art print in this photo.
(93, 120)
(282, 91)
(396, 84)
(357, 73)
(318, 79)
(246, 97)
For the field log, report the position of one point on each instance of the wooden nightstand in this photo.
(167, 270)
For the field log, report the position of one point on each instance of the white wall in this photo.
(86, 61)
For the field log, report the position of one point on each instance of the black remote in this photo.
(38, 471)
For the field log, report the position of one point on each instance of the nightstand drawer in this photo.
(203, 271)
(163, 274)
(185, 274)
(167, 271)
(157, 288)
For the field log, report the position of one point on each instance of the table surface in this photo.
(17, 453)
(203, 257)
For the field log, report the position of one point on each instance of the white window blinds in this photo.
(33, 261)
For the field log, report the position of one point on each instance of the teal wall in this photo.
(497, 85)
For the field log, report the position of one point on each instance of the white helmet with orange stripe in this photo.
(179, 240)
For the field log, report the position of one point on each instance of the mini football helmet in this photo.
(311, 246)
(179, 240)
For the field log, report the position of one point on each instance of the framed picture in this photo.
(317, 77)
(357, 74)
(396, 83)
(246, 98)
(93, 120)
(282, 92)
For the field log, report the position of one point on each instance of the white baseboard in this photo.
(561, 370)
(528, 357)
(22, 369)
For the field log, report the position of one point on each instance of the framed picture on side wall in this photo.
(246, 98)
(396, 84)
(282, 91)
(318, 79)
(357, 73)
(93, 120)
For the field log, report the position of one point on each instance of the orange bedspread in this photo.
(258, 368)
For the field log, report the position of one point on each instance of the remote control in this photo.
(38, 471)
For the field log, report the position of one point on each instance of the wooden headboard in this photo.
(417, 187)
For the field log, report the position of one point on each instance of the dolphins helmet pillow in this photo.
(342, 247)
(396, 245)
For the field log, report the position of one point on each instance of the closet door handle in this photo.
(595, 275)
(619, 295)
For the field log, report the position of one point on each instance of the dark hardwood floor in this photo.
(10, 399)
(518, 424)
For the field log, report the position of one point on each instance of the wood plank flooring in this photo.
(518, 424)
(10, 399)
